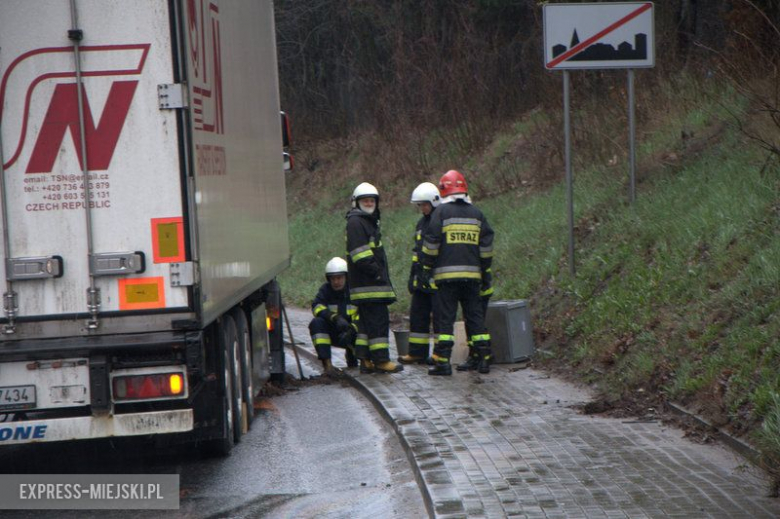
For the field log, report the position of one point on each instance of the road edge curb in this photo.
(376, 402)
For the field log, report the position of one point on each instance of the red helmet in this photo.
(452, 183)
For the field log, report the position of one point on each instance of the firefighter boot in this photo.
(412, 359)
(351, 360)
(387, 366)
(483, 363)
(366, 366)
(441, 369)
(327, 365)
(471, 363)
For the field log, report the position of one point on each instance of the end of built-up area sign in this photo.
(599, 35)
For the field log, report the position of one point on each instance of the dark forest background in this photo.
(402, 67)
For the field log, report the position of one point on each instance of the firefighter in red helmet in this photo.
(457, 253)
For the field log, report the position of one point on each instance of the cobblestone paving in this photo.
(509, 444)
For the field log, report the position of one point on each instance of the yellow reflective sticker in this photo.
(141, 293)
(145, 293)
(168, 239)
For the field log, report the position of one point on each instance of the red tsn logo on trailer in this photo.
(61, 116)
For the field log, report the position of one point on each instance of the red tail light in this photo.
(148, 387)
(286, 133)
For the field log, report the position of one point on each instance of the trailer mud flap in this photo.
(99, 385)
(86, 427)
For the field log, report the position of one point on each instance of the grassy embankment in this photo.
(676, 297)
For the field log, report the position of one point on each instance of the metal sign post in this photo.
(631, 139)
(598, 36)
(569, 177)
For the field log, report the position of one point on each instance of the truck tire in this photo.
(226, 342)
(236, 360)
(222, 446)
(247, 387)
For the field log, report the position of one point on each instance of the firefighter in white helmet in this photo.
(426, 197)
(369, 282)
(332, 324)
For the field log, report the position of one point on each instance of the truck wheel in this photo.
(222, 446)
(234, 351)
(247, 387)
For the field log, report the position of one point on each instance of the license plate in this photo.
(17, 397)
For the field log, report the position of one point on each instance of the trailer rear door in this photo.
(132, 207)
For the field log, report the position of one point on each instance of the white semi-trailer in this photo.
(143, 217)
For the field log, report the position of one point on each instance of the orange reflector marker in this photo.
(175, 382)
(269, 324)
(168, 240)
(141, 293)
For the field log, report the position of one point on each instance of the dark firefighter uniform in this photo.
(485, 293)
(458, 248)
(422, 298)
(327, 329)
(369, 285)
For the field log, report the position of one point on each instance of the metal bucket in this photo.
(401, 342)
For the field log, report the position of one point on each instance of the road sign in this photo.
(599, 35)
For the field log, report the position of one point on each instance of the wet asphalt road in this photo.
(319, 450)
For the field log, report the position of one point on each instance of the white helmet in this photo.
(362, 191)
(426, 192)
(335, 266)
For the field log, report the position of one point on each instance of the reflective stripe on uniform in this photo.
(460, 227)
(461, 221)
(457, 275)
(457, 268)
(380, 343)
(357, 294)
(457, 272)
(318, 309)
(374, 295)
(419, 338)
(321, 338)
(486, 252)
(361, 340)
(486, 293)
(443, 337)
(481, 337)
(361, 255)
(431, 249)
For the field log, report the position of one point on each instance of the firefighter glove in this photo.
(424, 277)
(347, 337)
(487, 281)
(342, 325)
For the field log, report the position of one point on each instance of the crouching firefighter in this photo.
(457, 252)
(426, 197)
(369, 282)
(332, 324)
